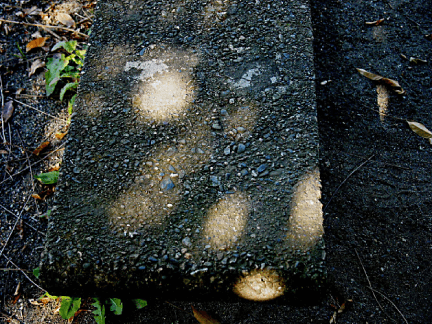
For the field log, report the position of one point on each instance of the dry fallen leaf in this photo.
(383, 100)
(65, 19)
(38, 42)
(36, 196)
(376, 77)
(54, 168)
(45, 300)
(203, 317)
(36, 65)
(375, 23)
(20, 229)
(40, 148)
(420, 129)
(417, 60)
(34, 302)
(7, 111)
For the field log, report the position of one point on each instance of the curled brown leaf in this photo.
(203, 317)
(36, 65)
(40, 148)
(420, 129)
(375, 23)
(38, 42)
(376, 77)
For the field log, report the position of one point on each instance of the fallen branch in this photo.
(45, 26)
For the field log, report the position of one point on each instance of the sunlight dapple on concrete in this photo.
(192, 161)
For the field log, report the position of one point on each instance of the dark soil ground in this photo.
(375, 172)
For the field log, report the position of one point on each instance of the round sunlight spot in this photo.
(164, 96)
(260, 285)
(226, 220)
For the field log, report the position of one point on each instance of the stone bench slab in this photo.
(192, 160)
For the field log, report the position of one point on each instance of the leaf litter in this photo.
(378, 78)
(203, 318)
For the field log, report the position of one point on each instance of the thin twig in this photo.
(370, 286)
(10, 212)
(31, 171)
(42, 112)
(376, 161)
(52, 33)
(352, 172)
(2, 105)
(44, 26)
(386, 298)
(10, 269)
(14, 226)
(37, 162)
(23, 273)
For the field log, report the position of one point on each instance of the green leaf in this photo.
(68, 46)
(140, 303)
(46, 216)
(49, 296)
(71, 103)
(99, 312)
(36, 272)
(69, 306)
(116, 306)
(67, 87)
(81, 53)
(72, 74)
(52, 76)
(48, 178)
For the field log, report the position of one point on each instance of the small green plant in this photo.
(48, 177)
(116, 306)
(66, 68)
(21, 52)
(36, 272)
(69, 305)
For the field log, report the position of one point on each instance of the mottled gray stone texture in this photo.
(191, 168)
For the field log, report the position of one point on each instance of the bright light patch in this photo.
(164, 96)
(260, 285)
(306, 219)
(226, 220)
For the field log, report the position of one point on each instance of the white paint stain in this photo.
(149, 68)
(245, 80)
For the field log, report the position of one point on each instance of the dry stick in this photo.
(15, 174)
(370, 286)
(375, 161)
(31, 171)
(44, 26)
(10, 269)
(13, 228)
(42, 112)
(10, 212)
(352, 172)
(2, 105)
(386, 298)
(24, 273)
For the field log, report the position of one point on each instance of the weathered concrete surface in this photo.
(192, 161)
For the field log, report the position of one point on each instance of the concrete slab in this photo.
(192, 161)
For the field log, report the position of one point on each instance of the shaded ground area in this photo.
(380, 170)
